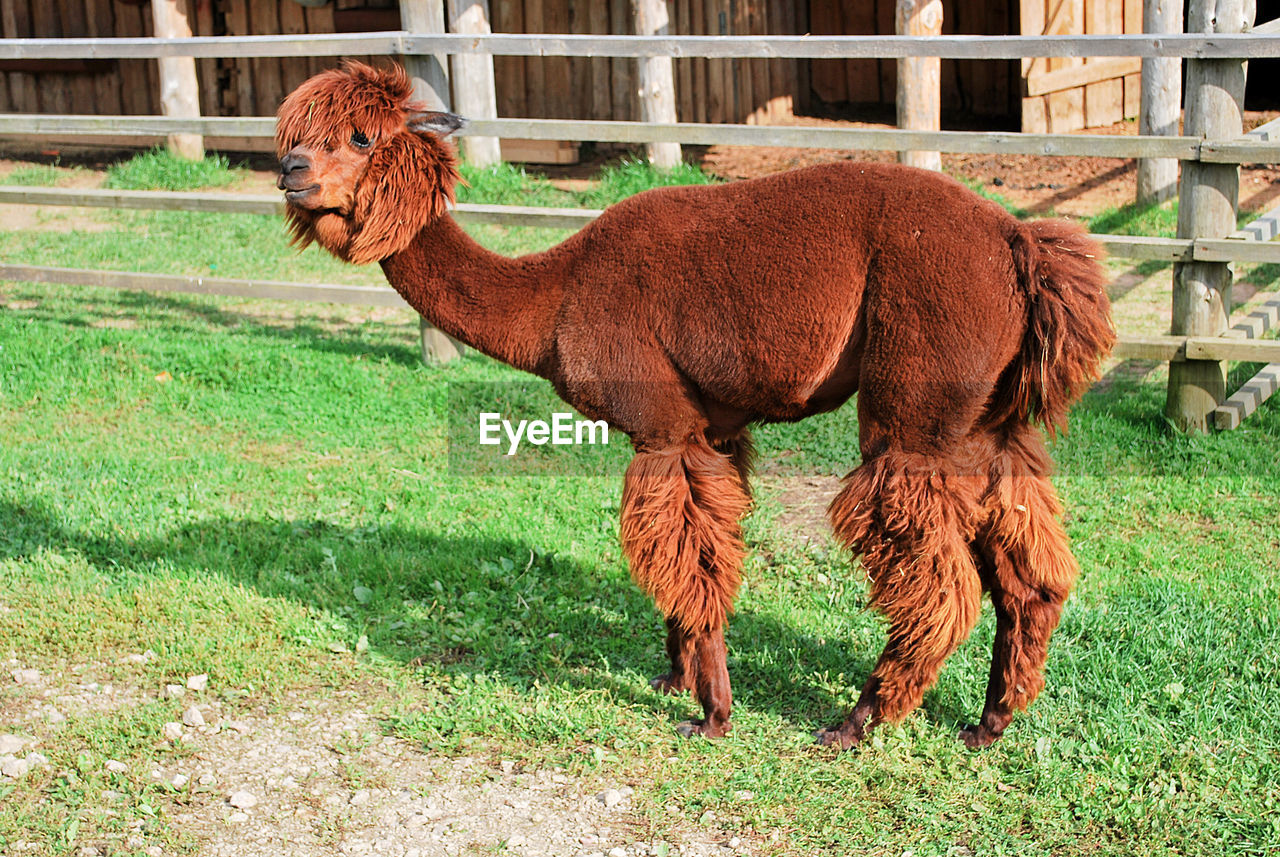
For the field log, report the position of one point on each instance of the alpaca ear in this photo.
(405, 186)
(439, 124)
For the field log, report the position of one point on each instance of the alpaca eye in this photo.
(360, 141)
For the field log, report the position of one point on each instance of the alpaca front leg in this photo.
(680, 531)
(711, 685)
(681, 649)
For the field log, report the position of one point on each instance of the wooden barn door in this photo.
(1069, 93)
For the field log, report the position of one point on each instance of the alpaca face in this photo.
(363, 168)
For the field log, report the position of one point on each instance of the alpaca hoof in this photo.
(668, 684)
(841, 737)
(978, 736)
(689, 728)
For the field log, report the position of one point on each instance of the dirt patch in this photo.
(323, 779)
(318, 775)
(803, 499)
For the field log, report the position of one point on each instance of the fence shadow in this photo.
(558, 621)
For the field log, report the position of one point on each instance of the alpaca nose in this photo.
(293, 162)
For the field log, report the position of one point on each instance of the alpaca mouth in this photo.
(298, 195)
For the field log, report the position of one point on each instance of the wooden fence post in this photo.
(179, 90)
(919, 78)
(1207, 200)
(656, 79)
(1161, 102)
(430, 85)
(473, 88)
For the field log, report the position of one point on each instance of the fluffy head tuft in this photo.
(370, 201)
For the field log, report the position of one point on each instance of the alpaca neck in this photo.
(503, 307)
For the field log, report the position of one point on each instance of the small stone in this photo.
(174, 691)
(707, 817)
(53, 715)
(610, 797)
(11, 744)
(743, 794)
(37, 760)
(238, 817)
(238, 725)
(515, 841)
(172, 731)
(242, 800)
(155, 851)
(116, 767)
(360, 798)
(192, 717)
(734, 842)
(207, 779)
(198, 682)
(179, 780)
(22, 676)
(617, 852)
(507, 767)
(13, 767)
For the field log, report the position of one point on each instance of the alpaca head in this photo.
(362, 166)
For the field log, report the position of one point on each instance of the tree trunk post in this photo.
(473, 87)
(656, 78)
(1207, 201)
(919, 78)
(1161, 102)
(431, 86)
(179, 89)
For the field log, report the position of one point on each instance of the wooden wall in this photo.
(1068, 93)
(707, 90)
(77, 86)
(1048, 95)
(983, 87)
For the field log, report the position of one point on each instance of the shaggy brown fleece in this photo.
(683, 315)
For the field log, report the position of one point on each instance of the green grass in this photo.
(619, 181)
(288, 490)
(35, 175)
(160, 169)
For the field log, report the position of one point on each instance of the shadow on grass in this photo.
(474, 606)
(181, 314)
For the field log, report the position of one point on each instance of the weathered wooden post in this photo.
(1207, 199)
(430, 85)
(179, 90)
(473, 89)
(919, 78)
(1161, 102)
(656, 78)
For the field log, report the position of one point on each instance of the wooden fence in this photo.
(1198, 348)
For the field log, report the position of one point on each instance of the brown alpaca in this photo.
(683, 315)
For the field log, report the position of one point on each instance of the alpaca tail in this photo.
(1069, 329)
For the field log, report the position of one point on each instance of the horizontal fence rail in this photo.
(1183, 45)
(1160, 348)
(1248, 150)
(1126, 246)
(1262, 145)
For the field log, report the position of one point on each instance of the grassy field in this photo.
(264, 493)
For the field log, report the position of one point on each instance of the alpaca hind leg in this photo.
(913, 518)
(680, 530)
(1031, 571)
